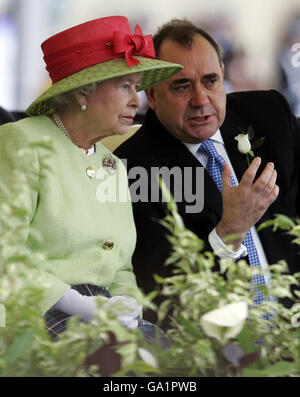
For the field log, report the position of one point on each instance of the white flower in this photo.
(226, 322)
(244, 145)
(2, 315)
(147, 357)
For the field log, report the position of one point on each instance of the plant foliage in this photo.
(195, 289)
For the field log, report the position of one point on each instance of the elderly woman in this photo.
(88, 237)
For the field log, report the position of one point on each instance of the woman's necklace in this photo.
(61, 126)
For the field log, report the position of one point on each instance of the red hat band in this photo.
(94, 42)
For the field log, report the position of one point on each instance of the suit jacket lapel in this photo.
(229, 130)
(171, 151)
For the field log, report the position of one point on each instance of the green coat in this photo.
(68, 220)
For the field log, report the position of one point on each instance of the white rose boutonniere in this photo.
(226, 322)
(244, 145)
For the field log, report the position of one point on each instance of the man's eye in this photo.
(182, 88)
(212, 82)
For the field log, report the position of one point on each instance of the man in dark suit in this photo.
(6, 116)
(189, 109)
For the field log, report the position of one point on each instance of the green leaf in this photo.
(297, 293)
(284, 221)
(282, 368)
(297, 227)
(152, 295)
(256, 144)
(280, 221)
(138, 366)
(250, 132)
(163, 309)
(19, 346)
(296, 240)
(251, 153)
(167, 195)
(245, 340)
(263, 225)
(242, 131)
(189, 327)
(178, 220)
(24, 369)
(253, 373)
(158, 279)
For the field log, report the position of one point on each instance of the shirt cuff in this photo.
(222, 250)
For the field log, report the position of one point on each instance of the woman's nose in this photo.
(136, 99)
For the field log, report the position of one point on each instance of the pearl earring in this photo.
(83, 107)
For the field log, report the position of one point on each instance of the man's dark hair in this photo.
(182, 32)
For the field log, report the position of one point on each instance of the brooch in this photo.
(110, 164)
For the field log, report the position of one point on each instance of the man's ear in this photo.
(223, 70)
(151, 98)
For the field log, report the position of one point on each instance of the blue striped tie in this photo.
(214, 168)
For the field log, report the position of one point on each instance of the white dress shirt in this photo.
(218, 246)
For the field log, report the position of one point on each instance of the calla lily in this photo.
(147, 357)
(244, 145)
(2, 315)
(226, 322)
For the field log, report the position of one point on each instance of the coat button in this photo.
(108, 245)
(90, 172)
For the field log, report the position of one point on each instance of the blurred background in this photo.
(259, 39)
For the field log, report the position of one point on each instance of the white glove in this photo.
(126, 309)
(75, 304)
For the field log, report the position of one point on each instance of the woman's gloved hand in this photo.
(75, 304)
(126, 308)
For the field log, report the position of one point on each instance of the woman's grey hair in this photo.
(67, 98)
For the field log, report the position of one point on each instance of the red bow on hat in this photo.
(136, 44)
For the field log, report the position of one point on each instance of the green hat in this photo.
(96, 51)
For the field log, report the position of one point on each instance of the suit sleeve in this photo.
(124, 281)
(294, 125)
(153, 247)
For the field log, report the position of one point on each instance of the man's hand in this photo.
(245, 204)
